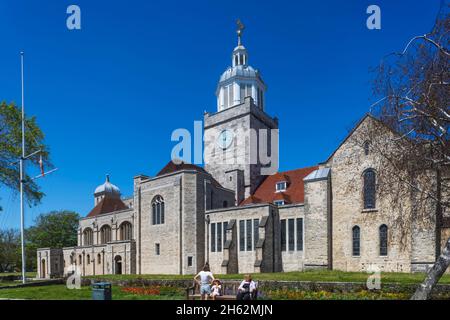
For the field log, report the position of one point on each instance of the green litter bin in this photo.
(101, 291)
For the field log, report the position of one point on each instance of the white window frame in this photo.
(281, 189)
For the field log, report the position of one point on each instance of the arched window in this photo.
(80, 259)
(366, 148)
(383, 240)
(88, 259)
(105, 234)
(356, 241)
(158, 214)
(99, 258)
(88, 237)
(369, 189)
(126, 231)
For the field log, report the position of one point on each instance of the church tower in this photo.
(240, 130)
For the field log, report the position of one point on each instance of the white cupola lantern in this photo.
(240, 80)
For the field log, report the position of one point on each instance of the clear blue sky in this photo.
(109, 96)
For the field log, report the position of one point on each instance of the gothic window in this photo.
(88, 237)
(213, 237)
(369, 189)
(291, 234)
(80, 259)
(105, 234)
(242, 235)
(219, 237)
(158, 208)
(383, 240)
(249, 235)
(255, 231)
(283, 235)
(299, 234)
(157, 249)
(99, 258)
(88, 259)
(366, 148)
(126, 231)
(356, 241)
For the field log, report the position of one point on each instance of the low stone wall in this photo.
(265, 285)
(33, 284)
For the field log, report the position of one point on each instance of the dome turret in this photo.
(240, 80)
(106, 189)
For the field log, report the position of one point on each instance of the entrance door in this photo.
(118, 265)
(43, 274)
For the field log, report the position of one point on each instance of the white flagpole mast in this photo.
(22, 174)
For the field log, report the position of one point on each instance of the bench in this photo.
(229, 291)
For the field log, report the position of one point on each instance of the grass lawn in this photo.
(60, 292)
(313, 275)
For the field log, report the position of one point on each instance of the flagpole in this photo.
(22, 173)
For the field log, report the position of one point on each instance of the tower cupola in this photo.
(240, 80)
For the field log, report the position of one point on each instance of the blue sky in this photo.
(108, 96)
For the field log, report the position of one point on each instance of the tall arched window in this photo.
(99, 258)
(88, 237)
(383, 240)
(126, 231)
(369, 189)
(356, 241)
(105, 234)
(158, 214)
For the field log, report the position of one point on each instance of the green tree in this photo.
(11, 150)
(9, 249)
(56, 229)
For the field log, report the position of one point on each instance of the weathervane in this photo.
(240, 30)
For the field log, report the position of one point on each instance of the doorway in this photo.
(43, 274)
(118, 265)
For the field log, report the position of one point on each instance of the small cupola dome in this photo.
(106, 189)
(240, 80)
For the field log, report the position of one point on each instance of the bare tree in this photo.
(412, 92)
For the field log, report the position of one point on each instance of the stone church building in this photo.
(330, 215)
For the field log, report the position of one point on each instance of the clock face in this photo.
(225, 139)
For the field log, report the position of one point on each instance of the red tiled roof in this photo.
(172, 167)
(295, 192)
(107, 205)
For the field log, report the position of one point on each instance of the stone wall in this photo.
(293, 260)
(347, 166)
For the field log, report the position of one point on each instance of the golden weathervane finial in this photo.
(240, 30)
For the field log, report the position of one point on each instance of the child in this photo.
(216, 289)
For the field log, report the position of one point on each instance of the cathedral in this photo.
(237, 217)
